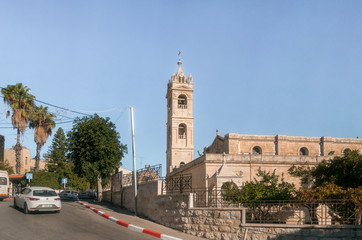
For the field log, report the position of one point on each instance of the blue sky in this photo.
(259, 67)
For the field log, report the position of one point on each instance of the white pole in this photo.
(134, 164)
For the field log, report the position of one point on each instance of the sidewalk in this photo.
(126, 216)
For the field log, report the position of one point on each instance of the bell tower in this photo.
(180, 121)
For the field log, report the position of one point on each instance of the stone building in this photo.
(236, 157)
(27, 163)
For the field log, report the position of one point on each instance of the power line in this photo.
(66, 109)
(13, 127)
(49, 104)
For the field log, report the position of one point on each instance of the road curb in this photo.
(128, 225)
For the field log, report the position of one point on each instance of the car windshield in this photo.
(3, 181)
(44, 193)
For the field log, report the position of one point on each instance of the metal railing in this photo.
(182, 106)
(177, 184)
(147, 174)
(328, 212)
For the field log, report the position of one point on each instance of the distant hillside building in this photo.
(236, 157)
(27, 163)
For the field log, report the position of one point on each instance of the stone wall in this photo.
(178, 212)
(276, 232)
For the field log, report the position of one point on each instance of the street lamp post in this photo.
(134, 163)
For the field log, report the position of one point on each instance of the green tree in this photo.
(53, 180)
(60, 166)
(43, 123)
(304, 173)
(230, 192)
(338, 179)
(45, 179)
(56, 155)
(345, 171)
(21, 103)
(267, 188)
(95, 149)
(260, 195)
(6, 166)
(345, 204)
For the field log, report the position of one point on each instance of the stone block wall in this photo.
(177, 211)
(300, 233)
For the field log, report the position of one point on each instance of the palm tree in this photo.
(43, 123)
(21, 103)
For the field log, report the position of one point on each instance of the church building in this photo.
(236, 157)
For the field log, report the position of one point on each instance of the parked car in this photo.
(68, 195)
(37, 199)
(87, 194)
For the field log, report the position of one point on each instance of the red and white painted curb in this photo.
(128, 225)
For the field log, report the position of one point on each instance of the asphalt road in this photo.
(73, 222)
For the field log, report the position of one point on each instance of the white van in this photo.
(4, 185)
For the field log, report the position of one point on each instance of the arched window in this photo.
(347, 150)
(257, 150)
(182, 131)
(182, 101)
(303, 151)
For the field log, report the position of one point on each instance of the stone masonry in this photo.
(177, 211)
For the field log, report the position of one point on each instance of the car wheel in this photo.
(26, 210)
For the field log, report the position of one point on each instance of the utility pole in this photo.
(134, 163)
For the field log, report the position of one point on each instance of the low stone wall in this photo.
(177, 211)
(265, 232)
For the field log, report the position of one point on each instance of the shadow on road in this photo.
(110, 206)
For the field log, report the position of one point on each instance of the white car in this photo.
(69, 194)
(38, 199)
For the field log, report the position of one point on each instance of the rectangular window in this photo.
(3, 181)
(44, 193)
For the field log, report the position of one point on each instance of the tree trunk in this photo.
(17, 149)
(99, 189)
(37, 157)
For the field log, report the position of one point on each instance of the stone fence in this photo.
(178, 211)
